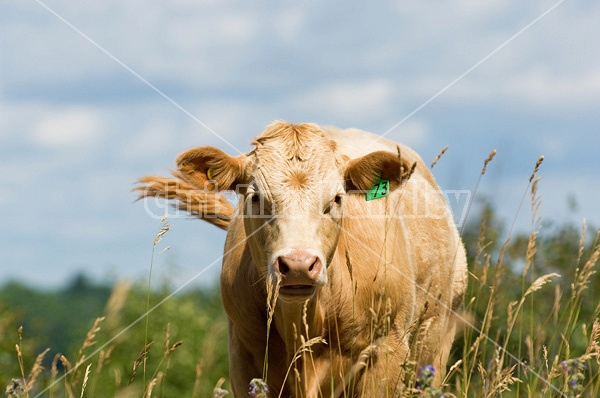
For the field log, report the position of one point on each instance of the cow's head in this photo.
(293, 187)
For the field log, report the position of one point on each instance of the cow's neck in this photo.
(289, 314)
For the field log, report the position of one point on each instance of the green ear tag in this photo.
(379, 190)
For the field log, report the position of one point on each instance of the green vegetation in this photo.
(61, 319)
(549, 323)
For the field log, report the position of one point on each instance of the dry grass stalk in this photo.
(305, 347)
(404, 174)
(167, 348)
(197, 379)
(306, 329)
(535, 207)
(219, 392)
(581, 242)
(481, 244)
(117, 378)
(20, 359)
(115, 304)
(529, 345)
(36, 369)
(451, 371)
(583, 275)
(140, 359)
(53, 373)
(149, 387)
(503, 382)
(361, 363)
(439, 156)
(272, 296)
(535, 201)
(511, 312)
(91, 335)
(174, 346)
(89, 340)
(538, 283)
(556, 305)
(103, 359)
(596, 313)
(167, 335)
(531, 250)
(164, 228)
(545, 353)
(68, 367)
(486, 267)
(537, 167)
(487, 160)
(85, 379)
(594, 341)
(65, 363)
(160, 376)
(298, 379)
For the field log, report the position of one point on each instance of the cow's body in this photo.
(393, 268)
(411, 261)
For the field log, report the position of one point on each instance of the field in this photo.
(530, 326)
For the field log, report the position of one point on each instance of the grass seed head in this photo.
(489, 159)
(439, 156)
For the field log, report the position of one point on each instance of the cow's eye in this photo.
(254, 198)
(336, 202)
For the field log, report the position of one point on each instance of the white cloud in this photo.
(414, 133)
(541, 87)
(70, 128)
(349, 100)
(153, 139)
(537, 87)
(238, 28)
(289, 24)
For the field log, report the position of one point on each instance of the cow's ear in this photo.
(362, 173)
(210, 168)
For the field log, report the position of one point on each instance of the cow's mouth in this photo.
(297, 290)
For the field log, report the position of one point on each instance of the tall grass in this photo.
(529, 326)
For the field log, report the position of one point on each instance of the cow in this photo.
(342, 265)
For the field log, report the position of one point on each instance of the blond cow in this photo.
(363, 288)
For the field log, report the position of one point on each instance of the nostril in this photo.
(283, 267)
(312, 266)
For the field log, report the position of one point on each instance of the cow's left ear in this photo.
(362, 173)
(210, 168)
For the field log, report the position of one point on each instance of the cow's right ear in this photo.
(210, 168)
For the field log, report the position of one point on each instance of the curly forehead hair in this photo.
(296, 154)
(290, 141)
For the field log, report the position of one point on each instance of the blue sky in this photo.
(77, 128)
